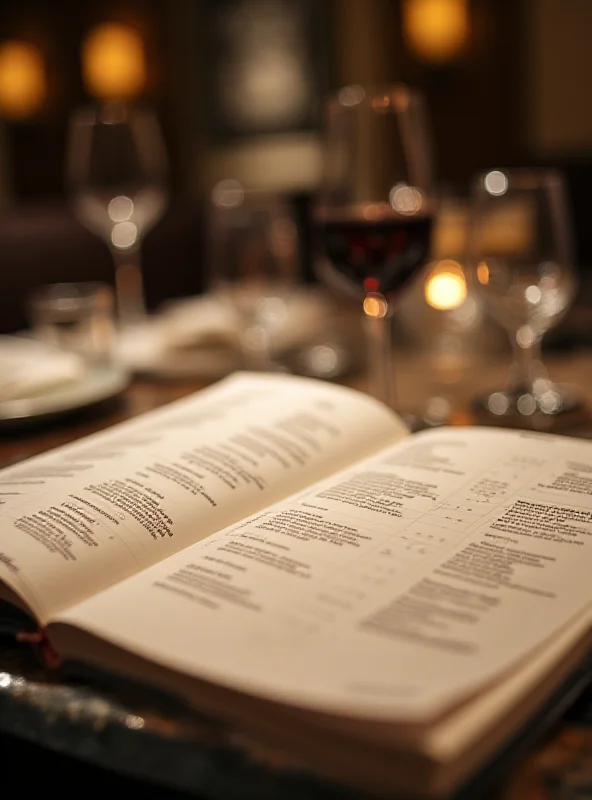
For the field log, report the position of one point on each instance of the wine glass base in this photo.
(559, 408)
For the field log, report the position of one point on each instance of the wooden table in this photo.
(192, 754)
(141, 396)
(416, 381)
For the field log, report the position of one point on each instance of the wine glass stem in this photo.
(257, 348)
(129, 285)
(526, 366)
(379, 344)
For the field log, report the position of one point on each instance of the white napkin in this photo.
(188, 337)
(202, 334)
(207, 320)
(300, 316)
(29, 368)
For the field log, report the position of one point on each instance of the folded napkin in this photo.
(29, 368)
(202, 335)
(194, 339)
(294, 319)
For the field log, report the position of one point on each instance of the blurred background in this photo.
(238, 85)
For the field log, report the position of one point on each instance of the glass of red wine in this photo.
(374, 209)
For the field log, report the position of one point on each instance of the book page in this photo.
(83, 517)
(389, 591)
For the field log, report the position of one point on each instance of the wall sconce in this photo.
(23, 87)
(436, 31)
(114, 62)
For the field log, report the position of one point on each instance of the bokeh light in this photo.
(436, 30)
(114, 62)
(445, 287)
(22, 80)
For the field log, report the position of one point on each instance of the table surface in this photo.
(415, 383)
(163, 744)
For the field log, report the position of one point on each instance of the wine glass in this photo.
(253, 255)
(375, 206)
(116, 173)
(520, 259)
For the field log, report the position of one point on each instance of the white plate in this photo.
(98, 384)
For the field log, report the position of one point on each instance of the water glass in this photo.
(520, 259)
(75, 317)
(253, 260)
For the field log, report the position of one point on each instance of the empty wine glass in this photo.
(375, 207)
(253, 254)
(116, 173)
(520, 258)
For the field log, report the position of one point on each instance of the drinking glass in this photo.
(375, 206)
(116, 174)
(520, 260)
(253, 253)
(76, 317)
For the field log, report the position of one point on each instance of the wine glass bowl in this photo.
(116, 174)
(520, 261)
(374, 209)
(375, 248)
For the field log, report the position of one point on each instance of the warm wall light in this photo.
(22, 80)
(436, 30)
(113, 62)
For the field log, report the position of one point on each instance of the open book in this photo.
(282, 554)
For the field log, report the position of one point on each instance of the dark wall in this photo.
(476, 105)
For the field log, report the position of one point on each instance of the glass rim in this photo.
(69, 295)
(521, 178)
(357, 95)
(101, 112)
(241, 195)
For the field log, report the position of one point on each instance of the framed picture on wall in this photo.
(267, 65)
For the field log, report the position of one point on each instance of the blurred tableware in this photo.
(29, 368)
(116, 176)
(201, 337)
(39, 382)
(441, 320)
(253, 254)
(319, 338)
(100, 384)
(374, 209)
(194, 337)
(520, 257)
(76, 318)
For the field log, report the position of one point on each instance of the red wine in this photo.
(376, 255)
